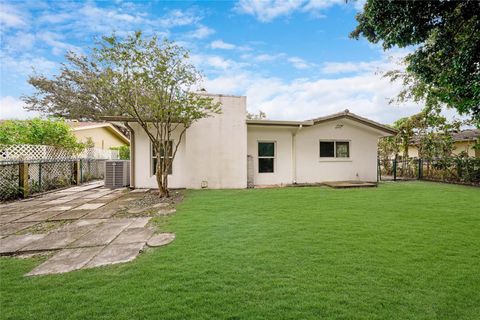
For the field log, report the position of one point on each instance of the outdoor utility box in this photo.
(117, 173)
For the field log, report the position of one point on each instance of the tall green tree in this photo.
(444, 67)
(53, 132)
(144, 79)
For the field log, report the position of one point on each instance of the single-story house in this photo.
(229, 151)
(103, 134)
(463, 142)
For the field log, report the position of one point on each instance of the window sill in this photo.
(335, 160)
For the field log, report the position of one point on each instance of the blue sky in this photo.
(293, 60)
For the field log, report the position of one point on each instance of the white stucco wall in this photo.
(213, 149)
(282, 136)
(217, 147)
(310, 168)
(144, 177)
(362, 164)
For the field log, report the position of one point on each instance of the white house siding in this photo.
(362, 164)
(309, 167)
(282, 136)
(213, 150)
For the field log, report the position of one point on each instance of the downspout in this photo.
(294, 154)
(132, 155)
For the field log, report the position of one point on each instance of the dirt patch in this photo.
(148, 204)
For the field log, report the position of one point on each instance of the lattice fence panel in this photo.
(9, 179)
(27, 152)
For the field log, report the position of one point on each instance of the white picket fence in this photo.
(28, 152)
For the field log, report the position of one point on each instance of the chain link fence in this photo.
(43, 175)
(451, 170)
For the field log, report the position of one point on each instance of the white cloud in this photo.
(10, 17)
(201, 32)
(365, 93)
(299, 63)
(264, 57)
(13, 108)
(268, 10)
(219, 44)
(176, 18)
(54, 40)
(23, 65)
(388, 61)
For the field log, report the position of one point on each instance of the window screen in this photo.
(266, 157)
(327, 149)
(162, 157)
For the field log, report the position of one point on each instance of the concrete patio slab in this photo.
(90, 206)
(71, 215)
(350, 184)
(81, 223)
(166, 211)
(101, 213)
(102, 235)
(160, 239)
(6, 218)
(55, 240)
(116, 253)
(65, 261)
(57, 201)
(14, 227)
(132, 235)
(139, 222)
(60, 208)
(40, 216)
(13, 243)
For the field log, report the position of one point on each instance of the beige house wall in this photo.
(213, 151)
(460, 146)
(103, 138)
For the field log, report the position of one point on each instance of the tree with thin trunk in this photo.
(147, 80)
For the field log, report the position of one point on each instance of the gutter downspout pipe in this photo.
(294, 153)
(132, 155)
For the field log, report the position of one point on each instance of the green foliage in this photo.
(445, 65)
(432, 131)
(53, 132)
(257, 116)
(123, 151)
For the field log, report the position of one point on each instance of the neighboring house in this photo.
(228, 151)
(103, 134)
(464, 141)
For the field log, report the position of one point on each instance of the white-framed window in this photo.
(334, 149)
(266, 156)
(162, 156)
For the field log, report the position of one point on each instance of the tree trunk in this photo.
(162, 178)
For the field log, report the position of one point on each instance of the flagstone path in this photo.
(79, 226)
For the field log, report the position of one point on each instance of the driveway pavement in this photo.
(79, 225)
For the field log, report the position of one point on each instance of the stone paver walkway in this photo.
(85, 232)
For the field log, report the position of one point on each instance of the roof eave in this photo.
(279, 123)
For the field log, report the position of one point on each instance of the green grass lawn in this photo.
(400, 251)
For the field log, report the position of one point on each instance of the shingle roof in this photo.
(464, 135)
(348, 115)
